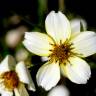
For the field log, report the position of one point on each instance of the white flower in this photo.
(64, 50)
(13, 37)
(75, 27)
(13, 76)
(59, 90)
(21, 54)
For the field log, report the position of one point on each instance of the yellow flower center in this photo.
(11, 80)
(61, 52)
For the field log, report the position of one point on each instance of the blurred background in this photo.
(19, 16)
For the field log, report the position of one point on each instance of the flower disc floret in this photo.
(11, 80)
(61, 52)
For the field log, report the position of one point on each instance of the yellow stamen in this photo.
(61, 52)
(11, 80)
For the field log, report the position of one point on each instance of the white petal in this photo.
(63, 70)
(1, 86)
(58, 26)
(38, 43)
(48, 75)
(75, 27)
(24, 75)
(21, 91)
(78, 71)
(85, 43)
(84, 24)
(6, 93)
(7, 64)
(44, 59)
(59, 90)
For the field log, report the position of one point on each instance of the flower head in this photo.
(13, 76)
(64, 46)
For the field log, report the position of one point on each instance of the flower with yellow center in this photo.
(13, 76)
(64, 45)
